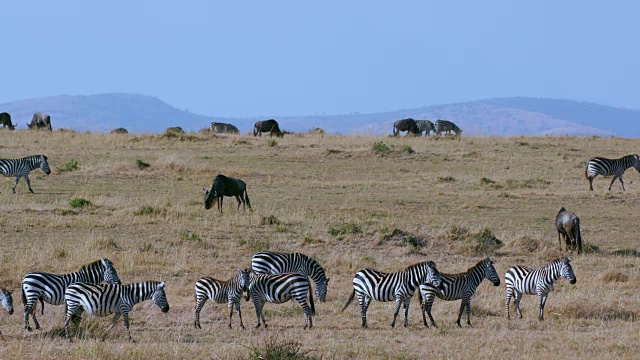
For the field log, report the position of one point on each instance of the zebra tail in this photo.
(22, 295)
(313, 308)
(586, 174)
(246, 197)
(41, 304)
(353, 294)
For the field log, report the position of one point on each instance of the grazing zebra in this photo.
(271, 262)
(399, 286)
(102, 300)
(457, 287)
(7, 302)
(610, 167)
(426, 126)
(523, 280)
(220, 291)
(219, 128)
(22, 167)
(446, 127)
(50, 287)
(280, 288)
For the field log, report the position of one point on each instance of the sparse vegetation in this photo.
(381, 148)
(77, 203)
(406, 149)
(71, 165)
(345, 228)
(141, 164)
(446, 179)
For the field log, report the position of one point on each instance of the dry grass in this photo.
(349, 202)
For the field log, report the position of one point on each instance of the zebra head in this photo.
(244, 277)
(636, 162)
(433, 275)
(160, 298)
(110, 275)
(44, 165)
(566, 271)
(490, 272)
(6, 300)
(321, 290)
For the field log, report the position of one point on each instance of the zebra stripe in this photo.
(271, 262)
(50, 288)
(22, 167)
(425, 125)
(103, 300)
(280, 288)
(610, 167)
(523, 280)
(399, 286)
(220, 291)
(460, 286)
(446, 127)
(218, 128)
(7, 302)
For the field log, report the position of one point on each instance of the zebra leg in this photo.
(507, 301)
(15, 183)
(199, 305)
(543, 300)
(239, 313)
(406, 312)
(462, 306)
(125, 316)
(230, 312)
(364, 301)
(590, 183)
(258, 304)
(396, 311)
(622, 183)
(113, 322)
(469, 311)
(26, 177)
(516, 301)
(613, 180)
(428, 304)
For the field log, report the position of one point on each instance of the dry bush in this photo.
(615, 276)
(462, 241)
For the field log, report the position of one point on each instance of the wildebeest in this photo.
(222, 128)
(408, 125)
(5, 120)
(271, 126)
(568, 225)
(226, 186)
(447, 127)
(39, 121)
(119, 131)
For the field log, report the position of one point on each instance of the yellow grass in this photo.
(152, 224)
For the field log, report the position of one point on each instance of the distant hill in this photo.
(500, 117)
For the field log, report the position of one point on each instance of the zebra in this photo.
(523, 280)
(280, 288)
(105, 299)
(399, 286)
(458, 287)
(271, 262)
(426, 126)
(22, 167)
(218, 128)
(220, 291)
(446, 127)
(7, 302)
(51, 287)
(610, 167)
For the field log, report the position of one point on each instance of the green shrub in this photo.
(189, 236)
(141, 164)
(346, 228)
(71, 165)
(407, 149)
(381, 148)
(273, 349)
(79, 203)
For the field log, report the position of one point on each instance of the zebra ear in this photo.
(161, 285)
(569, 259)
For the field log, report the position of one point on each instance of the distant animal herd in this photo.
(278, 277)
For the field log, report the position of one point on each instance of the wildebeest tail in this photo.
(353, 294)
(395, 131)
(576, 233)
(255, 130)
(313, 308)
(246, 198)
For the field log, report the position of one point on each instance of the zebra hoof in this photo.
(29, 329)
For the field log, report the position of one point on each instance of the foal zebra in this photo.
(456, 287)
(399, 286)
(6, 300)
(610, 167)
(51, 287)
(523, 280)
(103, 300)
(271, 262)
(426, 126)
(280, 288)
(220, 291)
(22, 167)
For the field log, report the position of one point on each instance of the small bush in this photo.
(189, 236)
(273, 349)
(485, 242)
(588, 248)
(486, 181)
(615, 276)
(346, 228)
(446, 179)
(404, 238)
(71, 165)
(272, 143)
(269, 220)
(141, 164)
(407, 149)
(456, 233)
(107, 244)
(79, 203)
(381, 148)
(150, 210)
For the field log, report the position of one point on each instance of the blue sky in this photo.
(275, 58)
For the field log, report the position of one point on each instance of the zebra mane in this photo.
(559, 260)
(96, 263)
(429, 263)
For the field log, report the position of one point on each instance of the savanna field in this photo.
(350, 202)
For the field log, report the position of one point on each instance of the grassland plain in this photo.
(350, 202)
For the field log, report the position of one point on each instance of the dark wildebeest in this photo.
(270, 126)
(119, 131)
(408, 125)
(5, 120)
(568, 226)
(447, 126)
(222, 128)
(40, 121)
(226, 186)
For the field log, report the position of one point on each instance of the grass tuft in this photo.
(141, 164)
(274, 349)
(269, 220)
(381, 148)
(345, 228)
(78, 203)
(446, 179)
(615, 276)
(71, 165)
